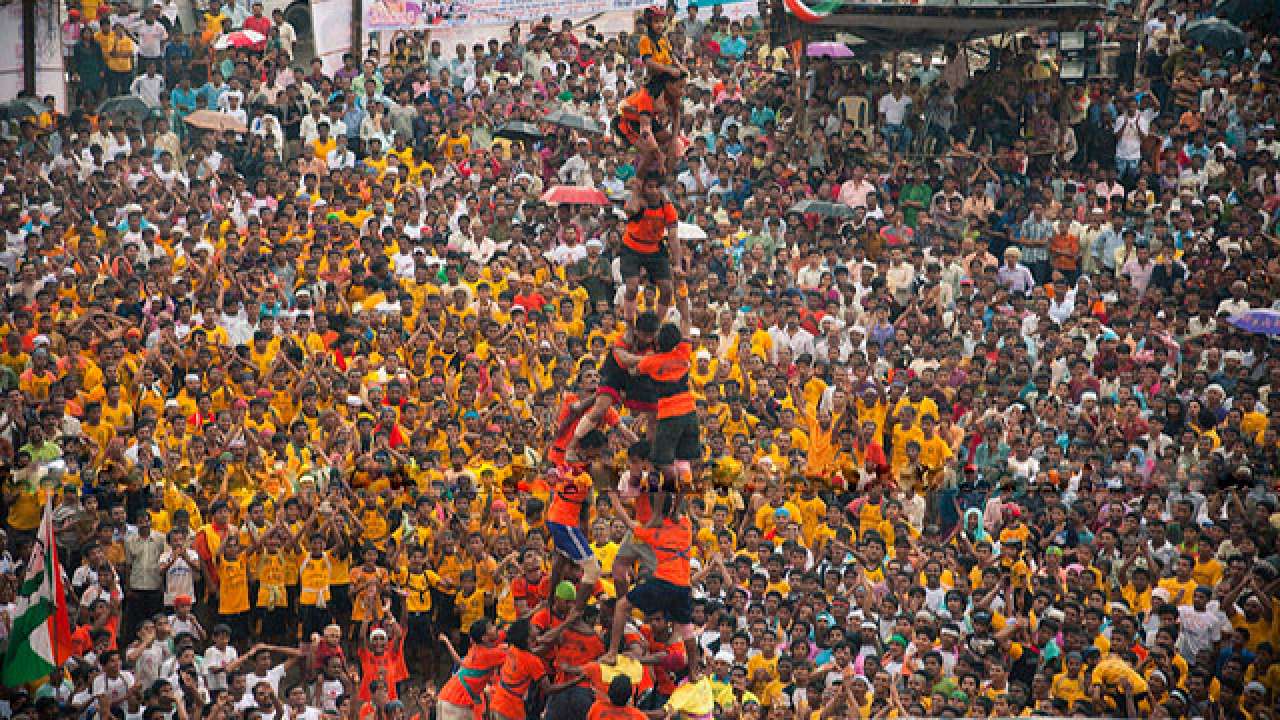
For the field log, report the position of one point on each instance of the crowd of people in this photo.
(336, 417)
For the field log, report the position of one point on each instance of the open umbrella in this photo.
(212, 120)
(1262, 321)
(517, 130)
(131, 105)
(689, 231)
(239, 39)
(19, 108)
(1238, 11)
(1216, 33)
(574, 121)
(823, 208)
(828, 50)
(574, 195)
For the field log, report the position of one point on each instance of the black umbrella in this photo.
(518, 130)
(574, 121)
(1238, 11)
(820, 207)
(1215, 33)
(126, 105)
(19, 108)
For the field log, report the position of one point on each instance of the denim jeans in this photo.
(1126, 168)
(898, 137)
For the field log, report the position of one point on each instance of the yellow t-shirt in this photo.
(313, 579)
(233, 586)
(470, 607)
(418, 586)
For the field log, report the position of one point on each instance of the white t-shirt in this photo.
(306, 713)
(215, 663)
(894, 109)
(330, 691)
(116, 689)
(1129, 131)
(180, 578)
(272, 678)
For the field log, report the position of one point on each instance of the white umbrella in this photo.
(689, 231)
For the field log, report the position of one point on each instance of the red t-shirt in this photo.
(662, 678)
(260, 25)
(533, 302)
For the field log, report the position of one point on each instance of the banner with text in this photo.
(421, 14)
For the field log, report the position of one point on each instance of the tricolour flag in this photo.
(40, 638)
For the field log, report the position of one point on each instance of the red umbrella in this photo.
(240, 39)
(574, 195)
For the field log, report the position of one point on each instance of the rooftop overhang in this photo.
(903, 26)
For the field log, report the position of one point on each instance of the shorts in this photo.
(654, 594)
(677, 438)
(634, 392)
(657, 264)
(570, 541)
(274, 621)
(445, 609)
(314, 619)
(643, 554)
(421, 630)
(340, 600)
(569, 704)
(446, 710)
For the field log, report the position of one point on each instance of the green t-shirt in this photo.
(922, 194)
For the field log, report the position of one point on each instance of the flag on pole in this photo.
(40, 638)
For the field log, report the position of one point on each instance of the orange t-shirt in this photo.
(576, 649)
(570, 496)
(646, 230)
(561, 443)
(635, 105)
(671, 543)
(605, 710)
(520, 670)
(388, 667)
(669, 372)
(466, 687)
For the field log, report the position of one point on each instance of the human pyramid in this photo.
(646, 371)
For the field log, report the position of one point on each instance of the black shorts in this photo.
(569, 704)
(421, 630)
(633, 391)
(677, 438)
(314, 619)
(274, 620)
(653, 595)
(446, 611)
(340, 601)
(657, 265)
